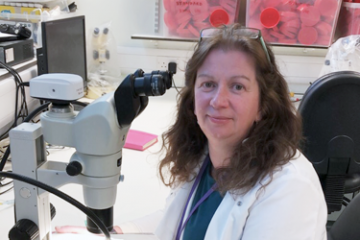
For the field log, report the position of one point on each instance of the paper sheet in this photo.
(70, 236)
(5, 204)
(89, 236)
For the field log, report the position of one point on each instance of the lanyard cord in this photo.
(182, 223)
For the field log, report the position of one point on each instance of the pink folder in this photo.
(139, 140)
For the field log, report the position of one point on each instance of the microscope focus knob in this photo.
(24, 229)
(74, 168)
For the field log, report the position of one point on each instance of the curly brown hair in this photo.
(272, 141)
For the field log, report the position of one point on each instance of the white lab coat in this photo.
(292, 207)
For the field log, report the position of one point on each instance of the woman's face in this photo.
(227, 96)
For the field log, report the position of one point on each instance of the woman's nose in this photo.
(220, 98)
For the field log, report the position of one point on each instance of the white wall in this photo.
(299, 65)
(127, 17)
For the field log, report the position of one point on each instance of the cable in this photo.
(27, 119)
(175, 86)
(3, 146)
(4, 159)
(5, 186)
(23, 105)
(63, 196)
(7, 190)
(11, 70)
(23, 108)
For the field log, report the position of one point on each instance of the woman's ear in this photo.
(258, 116)
(194, 109)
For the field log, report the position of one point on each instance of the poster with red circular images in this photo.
(186, 18)
(295, 22)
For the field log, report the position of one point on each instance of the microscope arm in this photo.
(126, 101)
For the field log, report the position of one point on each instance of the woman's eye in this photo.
(208, 84)
(238, 87)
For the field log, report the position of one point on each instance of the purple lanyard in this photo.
(203, 198)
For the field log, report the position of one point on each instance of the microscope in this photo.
(98, 133)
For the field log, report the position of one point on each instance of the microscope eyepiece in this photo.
(131, 97)
(149, 85)
(167, 77)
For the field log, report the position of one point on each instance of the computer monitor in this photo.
(63, 47)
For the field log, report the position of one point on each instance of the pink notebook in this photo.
(139, 140)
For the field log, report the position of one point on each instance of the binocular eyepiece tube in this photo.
(150, 85)
(154, 83)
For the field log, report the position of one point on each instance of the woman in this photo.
(231, 155)
(236, 123)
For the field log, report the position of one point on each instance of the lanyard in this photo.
(203, 198)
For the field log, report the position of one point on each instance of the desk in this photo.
(141, 192)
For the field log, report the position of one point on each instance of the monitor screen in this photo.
(63, 47)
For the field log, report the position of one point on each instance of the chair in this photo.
(346, 227)
(330, 110)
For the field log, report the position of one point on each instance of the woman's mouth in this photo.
(219, 119)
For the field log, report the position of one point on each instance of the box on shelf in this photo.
(185, 18)
(31, 14)
(349, 20)
(294, 22)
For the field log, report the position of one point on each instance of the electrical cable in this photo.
(175, 86)
(63, 196)
(23, 106)
(19, 85)
(7, 190)
(28, 119)
(11, 70)
(4, 159)
(5, 185)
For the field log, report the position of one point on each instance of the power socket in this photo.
(163, 62)
(162, 65)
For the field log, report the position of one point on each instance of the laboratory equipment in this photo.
(19, 30)
(100, 53)
(15, 45)
(97, 133)
(16, 52)
(63, 47)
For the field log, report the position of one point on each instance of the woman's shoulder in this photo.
(295, 179)
(297, 169)
(300, 165)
